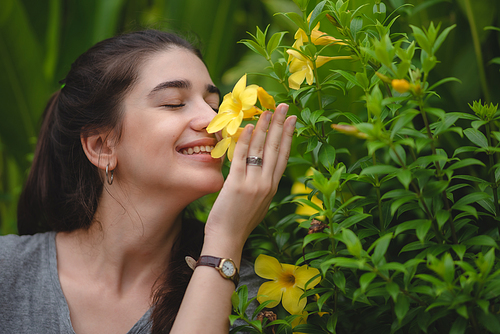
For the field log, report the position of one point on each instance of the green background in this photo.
(39, 39)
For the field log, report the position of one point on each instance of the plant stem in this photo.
(439, 175)
(379, 198)
(494, 184)
(477, 50)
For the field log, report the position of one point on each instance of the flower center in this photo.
(287, 279)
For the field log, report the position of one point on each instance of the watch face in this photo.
(228, 268)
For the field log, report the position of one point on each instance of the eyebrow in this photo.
(182, 84)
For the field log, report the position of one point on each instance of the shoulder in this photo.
(21, 253)
(21, 246)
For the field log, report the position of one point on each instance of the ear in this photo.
(99, 149)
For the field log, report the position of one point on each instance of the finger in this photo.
(286, 143)
(273, 141)
(238, 165)
(257, 142)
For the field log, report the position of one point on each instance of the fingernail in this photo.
(267, 117)
(293, 121)
(284, 108)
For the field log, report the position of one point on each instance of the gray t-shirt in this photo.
(31, 298)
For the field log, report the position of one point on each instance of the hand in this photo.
(247, 193)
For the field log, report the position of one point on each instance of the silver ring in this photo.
(254, 161)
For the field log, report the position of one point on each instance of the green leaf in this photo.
(233, 318)
(393, 289)
(316, 14)
(356, 26)
(434, 188)
(490, 321)
(410, 225)
(476, 137)
(481, 240)
(381, 245)
(235, 300)
(327, 156)
(471, 198)
(314, 237)
(275, 41)
(379, 169)
(422, 230)
(352, 242)
(465, 163)
(459, 250)
(442, 217)
(351, 78)
(308, 203)
(298, 20)
(401, 307)
(365, 280)
(348, 222)
(459, 326)
(339, 280)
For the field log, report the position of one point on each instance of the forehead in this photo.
(173, 64)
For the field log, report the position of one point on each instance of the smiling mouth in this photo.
(198, 150)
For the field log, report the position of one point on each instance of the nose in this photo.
(204, 115)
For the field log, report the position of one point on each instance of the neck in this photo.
(127, 244)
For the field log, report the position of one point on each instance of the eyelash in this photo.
(173, 106)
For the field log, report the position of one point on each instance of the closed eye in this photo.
(173, 106)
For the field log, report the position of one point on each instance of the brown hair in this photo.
(63, 188)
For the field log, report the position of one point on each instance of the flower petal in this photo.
(297, 65)
(270, 291)
(230, 150)
(292, 302)
(248, 97)
(267, 267)
(219, 121)
(296, 79)
(296, 54)
(266, 100)
(239, 87)
(303, 274)
(309, 74)
(234, 124)
(220, 148)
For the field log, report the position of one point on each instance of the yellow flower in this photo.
(400, 85)
(266, 100)
(317, 37)
(236, 106)
(300, 321)
(227, 143)
(305, 210)
(302, 67)
(287, 285)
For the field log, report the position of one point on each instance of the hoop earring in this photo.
(110, 180)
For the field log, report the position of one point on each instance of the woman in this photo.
(122, 151)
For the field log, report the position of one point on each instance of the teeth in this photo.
(197, 150)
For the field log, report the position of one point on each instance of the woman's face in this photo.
(164, 146)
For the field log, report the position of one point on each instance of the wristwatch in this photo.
(226, 267)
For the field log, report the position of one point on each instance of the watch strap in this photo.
(215, 262)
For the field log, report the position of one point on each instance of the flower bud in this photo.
(400, 85)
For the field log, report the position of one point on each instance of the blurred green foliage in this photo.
(40, 38)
